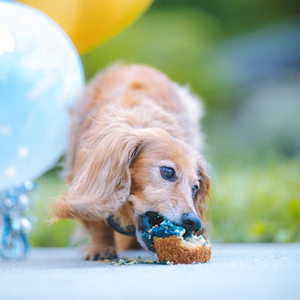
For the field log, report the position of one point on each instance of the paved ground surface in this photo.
(236, 271)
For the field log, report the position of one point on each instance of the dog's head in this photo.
(168, 177)
(129, 173)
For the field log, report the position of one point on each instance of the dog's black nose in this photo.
(154, 218)
(190, 222)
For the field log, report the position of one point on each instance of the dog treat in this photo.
(182, 251)
(172, 243)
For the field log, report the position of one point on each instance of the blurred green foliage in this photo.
(257, 201)
(177, 42)
(251, 201)
(255, 191)
(45, 233)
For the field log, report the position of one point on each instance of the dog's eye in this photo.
(168, 173)
(195, 188)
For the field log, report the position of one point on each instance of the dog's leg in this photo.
(102, 244)
(124, 242)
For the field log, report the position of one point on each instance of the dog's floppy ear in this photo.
(101, 184)
(201, 197)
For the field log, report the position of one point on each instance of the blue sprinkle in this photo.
(165, 229)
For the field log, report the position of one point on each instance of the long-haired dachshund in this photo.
(133, 148)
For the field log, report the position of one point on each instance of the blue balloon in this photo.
(40, 76)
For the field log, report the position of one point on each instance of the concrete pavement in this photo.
(236, 271)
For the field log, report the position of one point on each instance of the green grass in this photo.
(45, 234)
(257, 201)
(252, 202)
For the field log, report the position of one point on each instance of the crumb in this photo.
(128, 262)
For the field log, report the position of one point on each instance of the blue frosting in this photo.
(163, 228)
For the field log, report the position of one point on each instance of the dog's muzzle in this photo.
(114, 223)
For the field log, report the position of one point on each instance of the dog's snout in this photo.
(190, 222)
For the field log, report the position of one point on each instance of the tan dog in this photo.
(133, 148)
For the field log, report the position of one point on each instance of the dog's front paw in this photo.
(93, 252)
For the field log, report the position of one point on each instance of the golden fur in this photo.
(130, 121)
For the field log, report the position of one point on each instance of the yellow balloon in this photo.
(91, 22)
